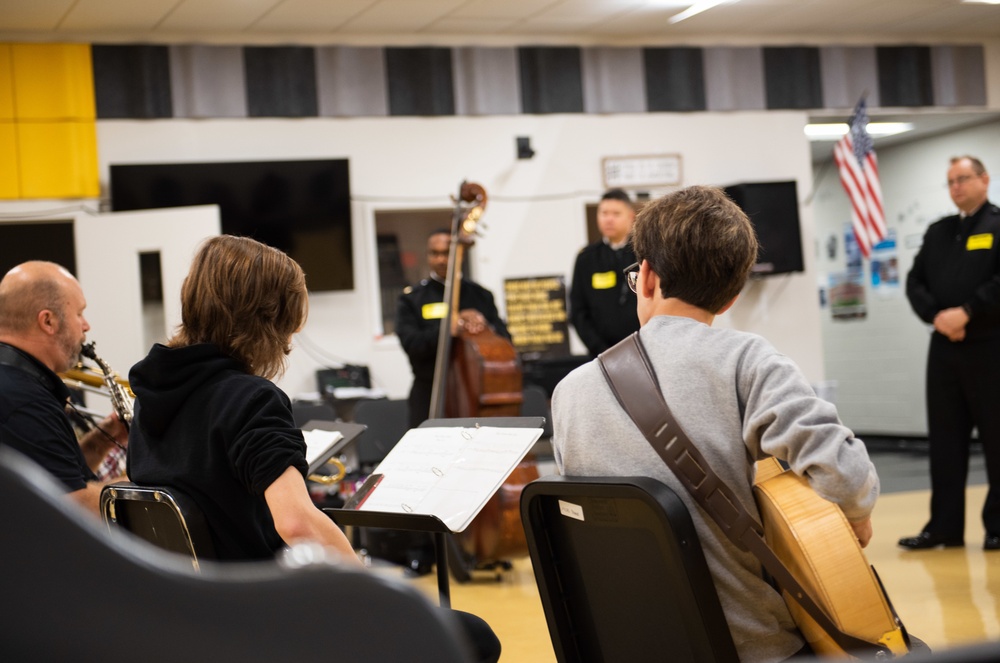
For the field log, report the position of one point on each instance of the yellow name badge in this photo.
(977, 242)
(603, 280)
(434, 311)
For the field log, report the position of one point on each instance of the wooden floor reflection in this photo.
(945, 597)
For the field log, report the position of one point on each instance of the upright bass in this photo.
(479, 375)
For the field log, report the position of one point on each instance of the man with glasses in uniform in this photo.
(954, 286)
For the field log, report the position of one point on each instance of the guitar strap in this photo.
(630, 374)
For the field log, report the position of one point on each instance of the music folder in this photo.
(448, 472)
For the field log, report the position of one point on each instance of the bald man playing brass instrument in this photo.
(42, 329)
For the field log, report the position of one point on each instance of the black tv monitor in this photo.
(50, 240)
(773, 208)
(300, 207)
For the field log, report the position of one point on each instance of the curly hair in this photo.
(700, 244)
(245, 297)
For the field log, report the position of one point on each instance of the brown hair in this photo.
(700, 244)
(977, 166)
(245, 297)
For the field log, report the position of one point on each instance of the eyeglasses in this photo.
(631, 275)
(961, 179)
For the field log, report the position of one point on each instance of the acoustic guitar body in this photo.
(815, 541)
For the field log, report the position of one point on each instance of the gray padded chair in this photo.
(72, 590)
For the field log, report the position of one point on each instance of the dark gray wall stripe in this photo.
(138, 81)
(848, 73)
(281, 81)
(792, 77)
(959, 75)
(550, 79)
(613, 80)
(904, 75)
(420, 81)
(486, 81)
(351, 81)
(208, 81)
(675, 79)
(734, 79)
(131, 81)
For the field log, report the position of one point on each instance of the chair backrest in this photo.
(162, 516)
(536, 404)
(73, 586)
(621, 573)
(387, 421)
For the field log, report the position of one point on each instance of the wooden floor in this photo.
(944, 597)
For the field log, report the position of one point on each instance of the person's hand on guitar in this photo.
(469, 320)
(863, 530)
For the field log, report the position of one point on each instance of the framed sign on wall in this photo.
(641, 171)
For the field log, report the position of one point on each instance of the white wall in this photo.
(879, 362)
(535, 215)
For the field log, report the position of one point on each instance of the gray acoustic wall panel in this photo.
(848, 73)
(959, 75)
(613, 80)
(281, 81)
(420, 81)
(350, 81)
(734, 79)
(792, 77)
(208, 81)
(904, 75)
(550, 79)
(486, 81)
(675, 78)
(131, 81)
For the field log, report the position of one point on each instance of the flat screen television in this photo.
(300, 207)
(773, 208)
(37, 240)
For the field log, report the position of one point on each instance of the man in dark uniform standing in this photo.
(602, 308)
(955, 286)
(418, 321)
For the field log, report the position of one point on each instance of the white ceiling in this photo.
(507, 22)
(492, 21)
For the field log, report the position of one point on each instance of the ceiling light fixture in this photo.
(982, 2)
(697, 8)
(819, 132)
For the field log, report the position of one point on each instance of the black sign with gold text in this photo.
(536, 316)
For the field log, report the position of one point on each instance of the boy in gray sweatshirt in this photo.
(737, 398)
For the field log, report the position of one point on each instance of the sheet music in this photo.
(318, 441)
(448, 472)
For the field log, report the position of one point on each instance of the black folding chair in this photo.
(621, 573)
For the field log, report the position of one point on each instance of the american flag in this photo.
(854, 155)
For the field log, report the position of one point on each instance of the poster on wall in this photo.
(847, 288)
(885, 266)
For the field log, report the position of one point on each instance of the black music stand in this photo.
(424, 523)
(350, 432)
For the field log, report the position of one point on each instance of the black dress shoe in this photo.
(926, 540)
(991, 542)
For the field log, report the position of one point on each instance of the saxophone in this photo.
(121, 400)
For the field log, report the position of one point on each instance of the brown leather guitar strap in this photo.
(633, 381)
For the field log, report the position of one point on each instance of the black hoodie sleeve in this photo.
(266, 441)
